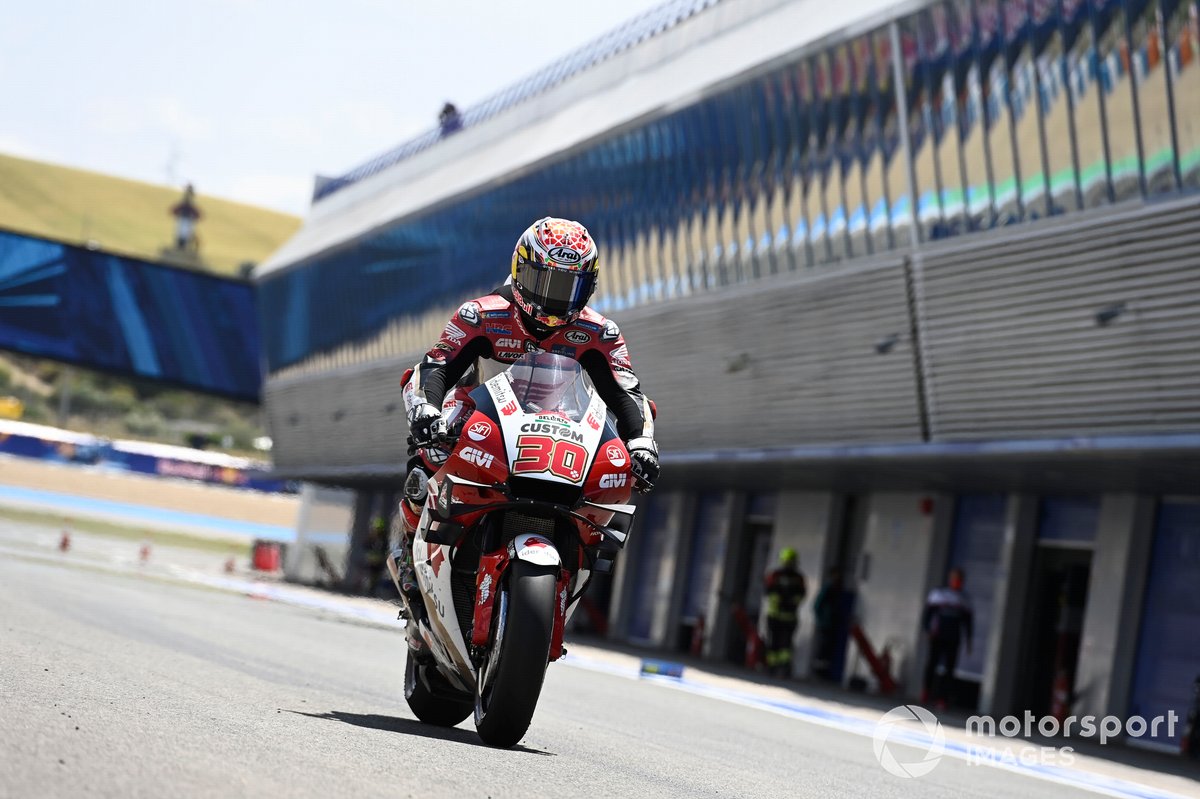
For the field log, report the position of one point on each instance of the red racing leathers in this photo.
(493, 327)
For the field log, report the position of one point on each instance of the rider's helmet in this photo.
(787, 556)
(554, 270)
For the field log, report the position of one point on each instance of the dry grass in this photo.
(129, 217)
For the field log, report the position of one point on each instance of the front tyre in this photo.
(504, 706)
(431, 697)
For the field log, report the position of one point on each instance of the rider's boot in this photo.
(415, 490)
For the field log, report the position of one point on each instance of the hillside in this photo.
(130, 217)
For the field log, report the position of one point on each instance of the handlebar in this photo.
(447, 440)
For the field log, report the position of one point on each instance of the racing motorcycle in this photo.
(515, 523)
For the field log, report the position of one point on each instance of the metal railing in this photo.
(637, 30)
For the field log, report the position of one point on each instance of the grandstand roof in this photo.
(668, 58)
(129, 217)
(646, 25)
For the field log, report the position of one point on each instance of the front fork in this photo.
(487, 582)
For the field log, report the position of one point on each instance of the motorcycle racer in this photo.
(542, 307)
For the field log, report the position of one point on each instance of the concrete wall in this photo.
(1001, 673)
(717, 615)
(325, 518)
(892, 572)
(1108, 645)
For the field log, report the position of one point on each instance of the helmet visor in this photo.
(556, 292)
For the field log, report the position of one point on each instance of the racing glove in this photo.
(643, 462)
(426, 425)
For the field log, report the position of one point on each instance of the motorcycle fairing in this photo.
(548, 446)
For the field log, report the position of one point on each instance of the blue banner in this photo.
(122, 315)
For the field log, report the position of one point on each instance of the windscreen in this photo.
(544, 383)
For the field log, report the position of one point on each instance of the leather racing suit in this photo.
(493, 327)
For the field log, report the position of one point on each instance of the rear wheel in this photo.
(431, 697)
(504, 704)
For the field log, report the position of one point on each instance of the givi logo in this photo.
(479, 431)
(613, 480)
(478, 457)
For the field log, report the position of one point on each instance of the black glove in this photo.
(426, 425)
(643, 462)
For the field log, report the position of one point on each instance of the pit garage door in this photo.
(1168, 661)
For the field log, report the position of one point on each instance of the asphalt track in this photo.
(125, 684)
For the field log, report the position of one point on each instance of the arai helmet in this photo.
(554, 271)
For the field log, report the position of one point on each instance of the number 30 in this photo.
(563, 459)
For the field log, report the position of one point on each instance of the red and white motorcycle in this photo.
(515, 523)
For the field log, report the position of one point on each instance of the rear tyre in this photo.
(504, 708)
(431, 697)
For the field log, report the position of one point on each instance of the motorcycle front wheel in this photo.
(431, 697)
(504, 705)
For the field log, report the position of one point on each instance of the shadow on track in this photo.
(374, 721)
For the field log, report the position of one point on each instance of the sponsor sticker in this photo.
(509, 409)
(564, 255)
(615, 454)
(620, 356)
(592, 421)
(535, 549)
(508, 343)
(479, 431)
(478, 457)
(485, 589)
(558, 430)
(578, 337)
(613, 480)
(454, 333)
(498, 330)
(495, 314)
(563, 349)
(469, 313)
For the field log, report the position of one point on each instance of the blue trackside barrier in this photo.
(662, 668)
(63, 446)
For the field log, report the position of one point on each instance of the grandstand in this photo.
(931, 265)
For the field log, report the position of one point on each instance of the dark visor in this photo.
(557, 292)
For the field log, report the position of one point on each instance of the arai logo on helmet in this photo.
(564, 255)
